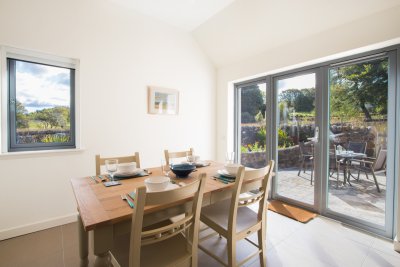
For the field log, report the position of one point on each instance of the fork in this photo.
(129, 202)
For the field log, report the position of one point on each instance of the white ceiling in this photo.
(185, 14)
(232, 30)
(249, 27)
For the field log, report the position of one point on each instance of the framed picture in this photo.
(163, 100)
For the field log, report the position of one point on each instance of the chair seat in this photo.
(154, 254)
(217, 215)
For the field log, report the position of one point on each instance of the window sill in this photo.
(39, 153)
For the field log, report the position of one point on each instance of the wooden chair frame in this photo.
(179, 154)
(101, 161)
(189, 223)
(237, 202)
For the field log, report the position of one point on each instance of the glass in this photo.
(295, 137)
(189, 157)
(358, 102)
(230, 157)
(43, 99)
(165, 169)
(251, 143)
(111, 167)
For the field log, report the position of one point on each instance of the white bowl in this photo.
(193, 158)
(157, 183)
(127, 167)
(232, 168)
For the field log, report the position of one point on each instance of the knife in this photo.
(94, 179)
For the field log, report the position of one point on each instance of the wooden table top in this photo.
(99, 205)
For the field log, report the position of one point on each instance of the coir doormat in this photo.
(295, 213)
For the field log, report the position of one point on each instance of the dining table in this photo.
(103, 212)
(347, 156)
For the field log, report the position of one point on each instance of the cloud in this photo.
(61, 78)
(32, 68)
(34, 103)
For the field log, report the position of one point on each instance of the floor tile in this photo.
(36, 249)
(381, 259)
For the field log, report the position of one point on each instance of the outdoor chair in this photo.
(356, 147)
(180, 154)
(307, 158)
(233, 220)
(372, 166)
(174, 244)
(126, 159)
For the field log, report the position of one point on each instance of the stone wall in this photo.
(342, 134)
(288, 157)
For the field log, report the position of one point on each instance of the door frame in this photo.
(322, 120)
(274, 136)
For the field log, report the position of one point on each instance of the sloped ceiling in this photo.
(184, 14)
(249, 27)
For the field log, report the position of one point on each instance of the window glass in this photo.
(40, 106)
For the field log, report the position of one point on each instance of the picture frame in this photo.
(163, 101)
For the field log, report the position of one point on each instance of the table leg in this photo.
(102, 243)
(83, 244)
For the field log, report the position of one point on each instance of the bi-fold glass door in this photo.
(296, 136)
(333, 139)
(361, 146)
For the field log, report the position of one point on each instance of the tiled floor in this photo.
(360, 200)
(321, 242)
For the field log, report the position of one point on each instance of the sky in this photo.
(41, 86)
(298, 82)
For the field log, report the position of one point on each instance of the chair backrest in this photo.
(261, 196)
(101, 161)
(191, 221)
(306, 148)
(380, 161)
(357, 147)
(180, 154)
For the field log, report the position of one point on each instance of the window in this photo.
(40, 103)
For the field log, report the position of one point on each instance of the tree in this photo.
(53, 117)
(21, 115)
(301, 100)
(365, 86)
(251, 102)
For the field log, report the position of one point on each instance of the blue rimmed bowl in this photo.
(182, 170)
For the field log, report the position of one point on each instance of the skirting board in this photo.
(37, 226)
(396, 244)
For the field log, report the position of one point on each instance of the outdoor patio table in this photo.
(347, 156)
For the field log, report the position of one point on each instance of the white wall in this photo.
(379, 27)
(120, 53)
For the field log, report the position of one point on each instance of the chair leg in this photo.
(231, 252)
(337, 176)
(376, 182)
(312, 174)
(262, 246)
(301, 167)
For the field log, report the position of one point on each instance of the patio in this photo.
(360, 199)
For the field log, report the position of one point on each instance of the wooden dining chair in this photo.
(101, 161)
(174, 244)
(180, 154)
(233, 220)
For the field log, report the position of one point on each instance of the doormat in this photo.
(295, 213)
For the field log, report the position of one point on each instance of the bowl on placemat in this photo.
(127, 167)
(232, 168)
(182, 170)
(157, 183)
